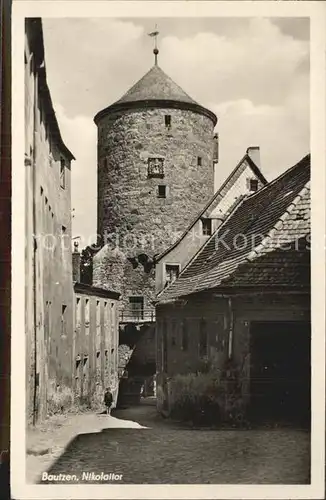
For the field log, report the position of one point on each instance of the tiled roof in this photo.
(156, 85)
(219, 195)
(254, 235)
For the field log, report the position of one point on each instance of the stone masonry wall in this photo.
(131, 216)
(128, 203)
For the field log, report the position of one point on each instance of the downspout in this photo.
(231, 326)
(36, 382)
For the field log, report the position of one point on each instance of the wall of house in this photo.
(190, 244)
(232, 192)
(48, 286)
(219, 321)
(95, 347)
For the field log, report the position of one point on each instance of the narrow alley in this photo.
(144, 448)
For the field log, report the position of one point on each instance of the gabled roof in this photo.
(218, 195)
(261, 233)
(34, 31)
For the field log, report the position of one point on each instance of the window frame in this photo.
(171, 264)
(132, 300)
(208, 231)
(255, 182)
(159, 194)
(168, 121)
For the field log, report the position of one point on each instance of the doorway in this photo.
(280, 373)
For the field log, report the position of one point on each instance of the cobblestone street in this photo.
(150, 449)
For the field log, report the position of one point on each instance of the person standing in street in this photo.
(108, 400)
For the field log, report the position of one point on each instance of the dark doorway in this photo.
(280, 374)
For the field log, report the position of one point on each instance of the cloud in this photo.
(253, 73)
(79, 134)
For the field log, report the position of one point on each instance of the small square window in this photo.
(207, 227)
(199, 161)
(161, 191)
(167, 121)
(253, 184)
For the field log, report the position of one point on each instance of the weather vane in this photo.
(155, 34)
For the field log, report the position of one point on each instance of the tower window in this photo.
(207, 227)
(167, 121)
(253, 185)
(161, 193)
(199, 161)
(62, 174)
(155, 167)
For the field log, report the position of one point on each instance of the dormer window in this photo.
(155, 167)
(167, 119)
(207, 227)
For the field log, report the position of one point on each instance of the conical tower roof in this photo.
(156, 89)
(156, 85)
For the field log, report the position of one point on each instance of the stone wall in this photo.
(128, 204)
(48, 261)
(216, 311)
(131, 217)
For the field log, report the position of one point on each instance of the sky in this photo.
(253, 73)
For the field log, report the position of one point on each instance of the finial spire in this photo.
(155, 34)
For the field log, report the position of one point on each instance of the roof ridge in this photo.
(279, 177)
(241, 201)
(279, 224)
(245, 157)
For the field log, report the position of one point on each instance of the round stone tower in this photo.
(155, 172)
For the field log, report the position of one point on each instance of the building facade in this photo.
(245, 179)
(247, 306)
(95, 344)
(48, 260)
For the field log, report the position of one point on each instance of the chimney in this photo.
(76, 263)
(254, 154)
(215, 152)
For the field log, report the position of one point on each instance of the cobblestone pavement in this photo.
(163, 452)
